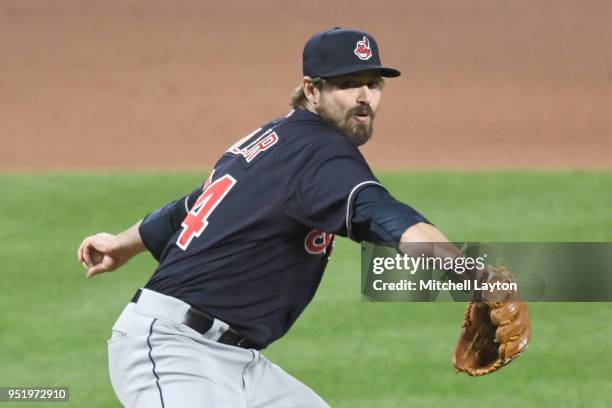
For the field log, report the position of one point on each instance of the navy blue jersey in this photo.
(256, 237)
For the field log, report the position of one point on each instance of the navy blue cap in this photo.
(341, 51)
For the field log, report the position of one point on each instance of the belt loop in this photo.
(136, 296)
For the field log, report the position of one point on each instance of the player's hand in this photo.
(496, 327)
(102, 252)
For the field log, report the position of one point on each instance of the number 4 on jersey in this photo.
(197, 218)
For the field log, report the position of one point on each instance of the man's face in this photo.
(349, 103)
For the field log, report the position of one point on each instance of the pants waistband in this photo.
(177, 311)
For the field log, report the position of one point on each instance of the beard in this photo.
(357, 132)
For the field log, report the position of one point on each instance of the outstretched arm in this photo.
(423, 232)
(106, 252)
(380, 218)
(423, 238)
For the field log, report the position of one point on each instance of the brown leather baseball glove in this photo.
(496, 326)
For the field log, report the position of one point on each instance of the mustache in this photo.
(361, 110)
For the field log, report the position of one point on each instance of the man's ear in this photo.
(310, 91)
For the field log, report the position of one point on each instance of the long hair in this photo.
(298, 99)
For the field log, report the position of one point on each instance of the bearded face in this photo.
(349, 104)
(356, 123)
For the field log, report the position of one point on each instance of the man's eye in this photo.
(374, 84)
(348, 84)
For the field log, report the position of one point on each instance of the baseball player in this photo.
(243, 254)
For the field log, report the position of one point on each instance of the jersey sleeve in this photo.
(327, 180)
(378, 217)
(157, 227)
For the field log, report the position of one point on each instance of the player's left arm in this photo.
(499, 330)
(380, 218)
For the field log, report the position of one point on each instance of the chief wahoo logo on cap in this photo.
(362, 49)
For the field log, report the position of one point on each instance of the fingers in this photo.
(516, 327)
(96, 252)
(96, 270)
(80, 251)
(107, 264)
(505, 314)
(95, 243)
(514, 348)
(92, 252)
(83, 253)
(516, 335)
(87, 254)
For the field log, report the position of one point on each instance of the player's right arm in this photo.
(159, 226)
(104, 252)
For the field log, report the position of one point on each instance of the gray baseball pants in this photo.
(156, 361)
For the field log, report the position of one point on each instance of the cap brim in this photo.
(383, 71)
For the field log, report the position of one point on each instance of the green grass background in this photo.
(54, 322)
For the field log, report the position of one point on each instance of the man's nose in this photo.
(363, 94)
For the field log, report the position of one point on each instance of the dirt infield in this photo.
(157, 84)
